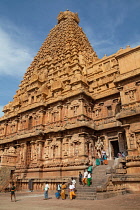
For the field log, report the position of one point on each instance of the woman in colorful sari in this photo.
(63, 191)
(97, 160)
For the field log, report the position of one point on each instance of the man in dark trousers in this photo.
(13, 188)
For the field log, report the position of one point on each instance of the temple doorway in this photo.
(114, 148)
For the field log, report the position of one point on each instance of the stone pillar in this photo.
(59, 141)
(23, 153)
(82, 139)
(90, 151)
(81, 108)
(68, 110)
(18, 153)
(133, 159)
(5, 131)
(121, 142)
(17, 121)
(131, 140)
(32, 150)
(40, 146)
(126, 127)
(41, 119)
(106, 145)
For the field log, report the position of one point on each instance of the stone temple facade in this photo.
(70, 106)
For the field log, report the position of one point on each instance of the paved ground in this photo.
(34, 201)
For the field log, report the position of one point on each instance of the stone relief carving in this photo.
(11, 150)
(76, 147)
(132, 140)
(131, 94)
(138, 139)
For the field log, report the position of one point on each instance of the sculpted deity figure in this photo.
(138, 140)
(131, 95)
(11, 150)
(99, 144)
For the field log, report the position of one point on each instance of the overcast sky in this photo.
(24, 25)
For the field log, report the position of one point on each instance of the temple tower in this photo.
(47, 122)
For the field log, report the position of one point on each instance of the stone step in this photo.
(86, 190)
(99, 179)
(86, 197)
(85, 193)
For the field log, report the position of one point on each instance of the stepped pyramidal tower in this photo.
(70, 106)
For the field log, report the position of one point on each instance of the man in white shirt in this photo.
(73, 181)
(85, 178)
(89, 179)
(46, 191)
(71, 190)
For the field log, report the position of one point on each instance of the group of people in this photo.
(121, 154)
(102, 160)
(86, 177)
(61, 190)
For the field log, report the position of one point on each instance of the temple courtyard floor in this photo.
(34, 201)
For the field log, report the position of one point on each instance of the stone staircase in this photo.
(5, 178)
(100, 178)
(85, 192)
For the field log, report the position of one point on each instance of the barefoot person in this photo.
(46, 191)
(80, 178)
(13, 188)
(72, 191)
(89, 179)
(85, 177)
(63, 191)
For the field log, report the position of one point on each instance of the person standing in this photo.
(105, 159)
(72, 191)
(97, 160)
(89, 179)
(90, 169)
(63, 191)
(73, 181)
(80, 178)
(13, 188)
(59, 187)
(46, 191)
(85, 178)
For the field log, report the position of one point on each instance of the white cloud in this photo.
(15, 55)
(1, 113)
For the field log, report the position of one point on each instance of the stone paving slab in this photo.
(34, 201)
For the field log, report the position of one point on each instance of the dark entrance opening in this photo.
(114, 148)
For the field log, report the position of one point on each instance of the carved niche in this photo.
(131, 94)
(132, 140)
(138, 140)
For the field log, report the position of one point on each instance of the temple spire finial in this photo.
(68, 15)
